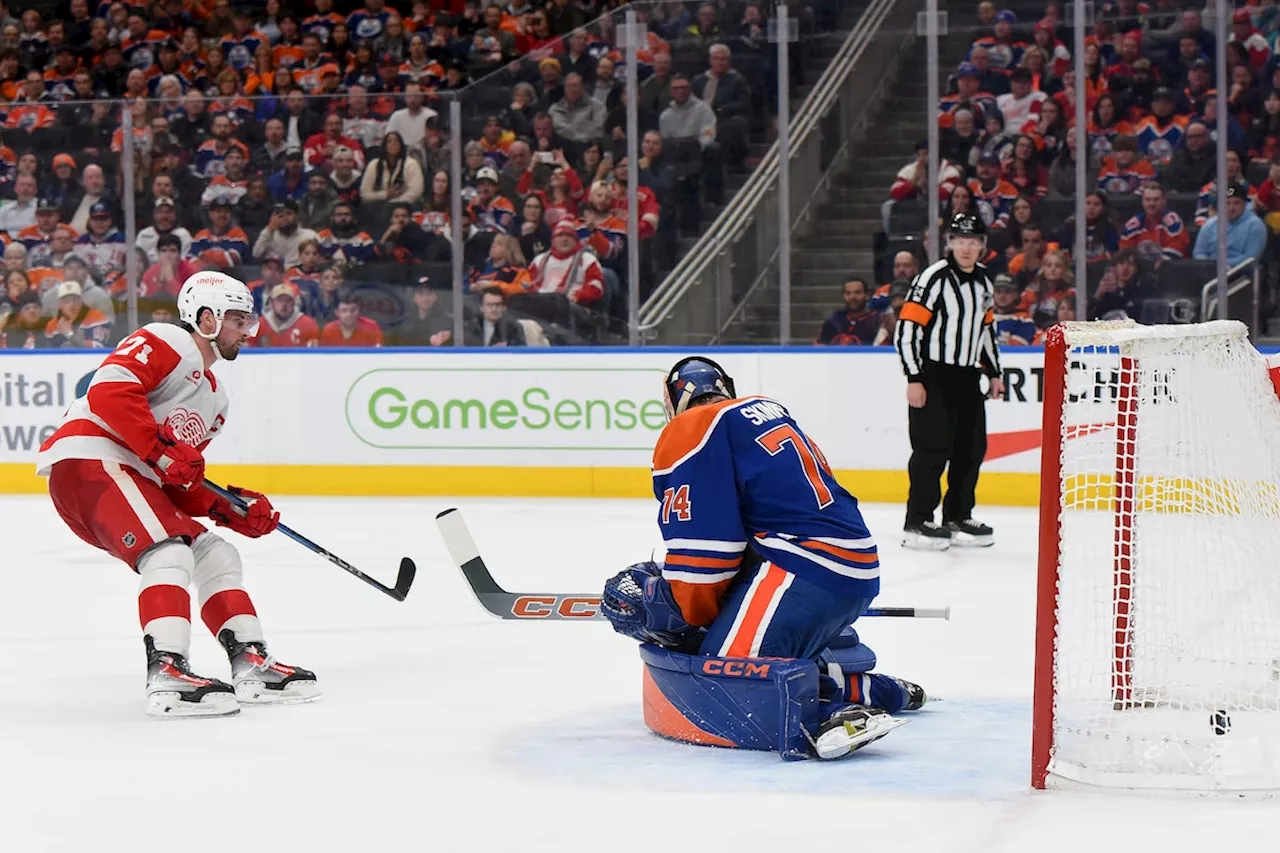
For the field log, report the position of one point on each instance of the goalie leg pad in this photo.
(219, 577)
(745, 703)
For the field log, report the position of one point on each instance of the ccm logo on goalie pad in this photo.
(542, 606)
(735, 668)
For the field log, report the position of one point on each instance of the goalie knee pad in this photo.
(164, 604)
(219, 577)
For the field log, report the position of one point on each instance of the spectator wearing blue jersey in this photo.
(856, 324)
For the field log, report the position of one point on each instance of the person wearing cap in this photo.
(857, 324)
(223, 245)
(428, 323)
(1013, 326)
(74, 268)
(76, 325)
(63, 184)
(290, 183)
(489, 211)
(41, 232)
(496, 141)
(25, 325)
(968, 93)
(1248, 36)
(164, 221)
(1124, 171)
(283, 323)
(350, 329)
(283, 234)
(568, 267)
(1161, 131)
(1004, 49)
(991, 190)
(1246, 234)
(102, 245)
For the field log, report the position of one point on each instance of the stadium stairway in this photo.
(819, 49)
(841, 242)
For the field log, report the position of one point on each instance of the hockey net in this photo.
(1158, 612)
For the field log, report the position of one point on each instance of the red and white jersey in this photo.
(155, 375)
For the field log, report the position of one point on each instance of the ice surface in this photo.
(443, 729)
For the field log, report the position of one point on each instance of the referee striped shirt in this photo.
(947, 318)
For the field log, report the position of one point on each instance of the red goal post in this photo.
(1158, 590)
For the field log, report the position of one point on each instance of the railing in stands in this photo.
(1245, 275)
(698, 298)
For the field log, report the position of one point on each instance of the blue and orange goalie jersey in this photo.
(740, 474)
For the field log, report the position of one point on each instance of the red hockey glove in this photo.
(177, 463)
(258, 519)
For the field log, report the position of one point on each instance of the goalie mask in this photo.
(692, 378)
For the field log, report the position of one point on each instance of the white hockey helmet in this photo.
(219, 293)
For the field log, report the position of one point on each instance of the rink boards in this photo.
(522, 422)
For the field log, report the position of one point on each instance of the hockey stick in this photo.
(403, 580)
(563, 606)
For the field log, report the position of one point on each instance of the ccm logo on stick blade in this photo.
(566, 607)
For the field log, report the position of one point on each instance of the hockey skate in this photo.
(850, 729)
(926, 536)
(971, 534)
(260, 680)
(174, 691)
(916, 697)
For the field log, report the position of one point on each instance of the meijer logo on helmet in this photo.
(507, 408)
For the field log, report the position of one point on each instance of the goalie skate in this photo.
(260, 679)
(850, 729)
(174, 691)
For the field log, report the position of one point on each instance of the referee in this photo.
(946, 342)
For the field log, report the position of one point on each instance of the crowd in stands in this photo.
(1008, 152)
(307, 149)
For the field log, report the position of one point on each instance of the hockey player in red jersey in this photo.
(125, 468)
(767, 555)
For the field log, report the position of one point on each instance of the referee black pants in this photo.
(948, 432)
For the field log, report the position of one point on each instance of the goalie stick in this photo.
(404, 579)
(564, 606)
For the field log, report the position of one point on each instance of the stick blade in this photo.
(404, 580)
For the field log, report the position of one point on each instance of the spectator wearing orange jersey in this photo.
(350, 329)
(1156, 233)
(505, 268)
(992, 194)
(1124, 171)
(284, 324)
(34, 236)
(77, 326)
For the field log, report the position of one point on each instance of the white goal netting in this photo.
(1168, 573)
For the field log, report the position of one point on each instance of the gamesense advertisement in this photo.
(518, 421)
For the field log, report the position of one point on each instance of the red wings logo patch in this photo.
(188, 426)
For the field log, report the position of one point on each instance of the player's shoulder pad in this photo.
(175, 337)
(690, 431)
